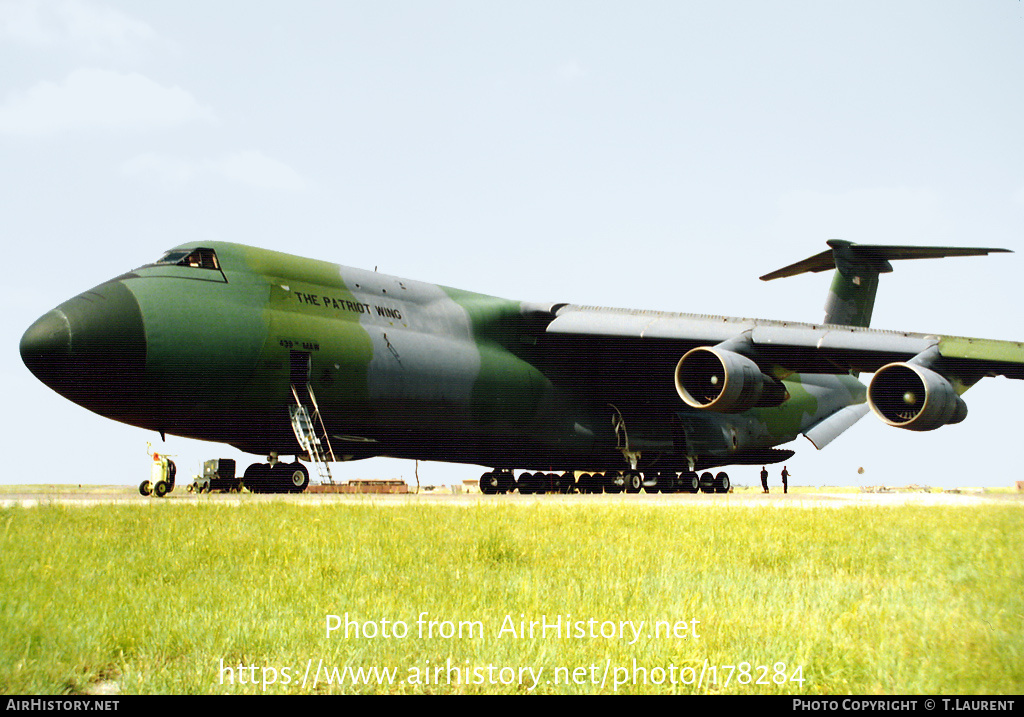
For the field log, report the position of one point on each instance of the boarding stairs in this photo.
(311, 434)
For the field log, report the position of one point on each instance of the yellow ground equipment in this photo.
(161, 481)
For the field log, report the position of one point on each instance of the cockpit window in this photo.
(195, 258)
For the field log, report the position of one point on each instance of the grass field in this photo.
(227, 598)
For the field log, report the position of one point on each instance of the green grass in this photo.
(151, 599)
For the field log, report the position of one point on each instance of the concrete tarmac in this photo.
(29, 496)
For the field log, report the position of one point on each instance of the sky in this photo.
(653, 155)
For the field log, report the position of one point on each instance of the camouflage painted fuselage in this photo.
(400, 368)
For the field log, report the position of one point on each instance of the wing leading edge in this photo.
(793, 346)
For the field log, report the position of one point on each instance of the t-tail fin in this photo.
(851, 297)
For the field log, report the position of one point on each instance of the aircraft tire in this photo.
(540, 483)
(551, 483)
(145, 487)
(633, 481)
(566, 483)
(298, 477)
(668, 482)
(506, 482)
(583, 483)
(613, 482)
(530, 483)
(160, 489)
(489, 483)
(722, 483)
(257, 478)
(688, 482)
(707, 483)
(524, 483)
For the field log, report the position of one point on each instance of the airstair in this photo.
(311, 434)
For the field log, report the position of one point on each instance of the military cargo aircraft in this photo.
(279, 355)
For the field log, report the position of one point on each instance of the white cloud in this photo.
(76, 24)
(249, 167)
(93, 98)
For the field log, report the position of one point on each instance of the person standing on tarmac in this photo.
(764, 478)
(785, 480)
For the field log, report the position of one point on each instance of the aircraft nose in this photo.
(46, 346)
(90, 349)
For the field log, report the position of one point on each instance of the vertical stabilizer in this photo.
(851, 298)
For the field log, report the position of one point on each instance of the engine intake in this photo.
(714, 379)
(910, 396)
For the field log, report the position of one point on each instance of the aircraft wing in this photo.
(785, 345)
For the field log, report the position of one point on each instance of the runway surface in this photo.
(30, 496)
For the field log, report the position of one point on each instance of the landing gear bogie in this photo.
(277, 478)
(688, 482)
(500, 481)
(630, 481)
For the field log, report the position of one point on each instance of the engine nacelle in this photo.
(714, 379)
(910, 396)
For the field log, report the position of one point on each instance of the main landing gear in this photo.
(503, 481)
(276, 478)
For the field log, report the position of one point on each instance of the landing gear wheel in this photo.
(160, 489)
(566, 483)
(707, 483)
(524, 483)
(613, 482)
(506, 482)
(585, 483)
(288, 478)
(489, 483)
(722, 484)
(145, 487)
(256, 478)
(530, 483)
(299, 477)
(634, 481)
(668, 482)
(688, 482)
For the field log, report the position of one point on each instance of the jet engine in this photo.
(911, 396)
(715, 379)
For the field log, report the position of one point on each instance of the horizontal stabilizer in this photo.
(851, 298)
(876, 256)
